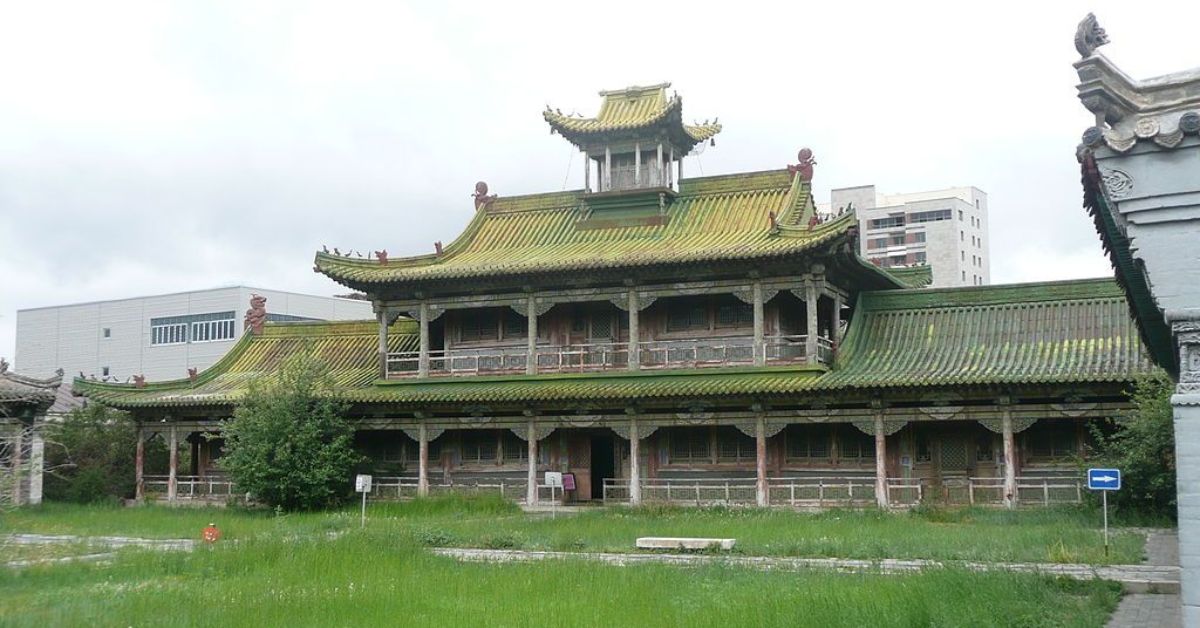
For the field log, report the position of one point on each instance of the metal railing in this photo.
(392, 487)
(190, 486)
(793, 491)
(606, 356)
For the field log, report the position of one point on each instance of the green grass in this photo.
(1054, 535)
(381, 577)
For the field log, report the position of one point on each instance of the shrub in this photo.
(1142, 445)
(288, 443)
(90, 456)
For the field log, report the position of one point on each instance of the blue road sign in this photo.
(1104, 479)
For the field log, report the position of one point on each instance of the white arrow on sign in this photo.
(1104, 478)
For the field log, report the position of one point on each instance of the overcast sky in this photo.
(167, 146)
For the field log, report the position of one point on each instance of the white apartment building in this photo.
(159, 336)
(944, 229)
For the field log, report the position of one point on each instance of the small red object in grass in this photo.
(211, 534)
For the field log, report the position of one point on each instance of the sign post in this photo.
(554, 479)
(1104, 480)
(362, 484)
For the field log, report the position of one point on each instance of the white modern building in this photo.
(159, 337)
(946, 230)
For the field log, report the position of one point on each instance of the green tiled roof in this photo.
(1069, 332)
(913, 276)
(20, 389)
(633, 109)
(1039, 333)
(350, 348)
(712, 219)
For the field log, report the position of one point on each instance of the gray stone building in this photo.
(1141, 180)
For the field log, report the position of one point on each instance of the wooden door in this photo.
(579, 450)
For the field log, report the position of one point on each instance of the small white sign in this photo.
(554, 479)
(362, 484)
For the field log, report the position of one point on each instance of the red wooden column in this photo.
(635, 472)
(762, 498)
(173, 471)
(531, 491)
(423, 462)
(881, 486)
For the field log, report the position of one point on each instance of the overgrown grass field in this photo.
(1055, 535)
(381, 577)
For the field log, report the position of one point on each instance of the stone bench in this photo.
(683, 543)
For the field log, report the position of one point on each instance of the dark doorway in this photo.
(604, 464)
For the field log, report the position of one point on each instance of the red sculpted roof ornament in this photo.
(381, 256)
(256, 316)
(139, 381)
(805, 167)
(482, 198)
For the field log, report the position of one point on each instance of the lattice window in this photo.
(924, 452)
(853, 445)
(689, 444)
(687, 318)
(954, 454)
(602, 327)
(515, 325)
(514, 448)
(479, 446)
(735, 315)
(808, 442)
(984, 448)
(1052, 439)
(734, 446)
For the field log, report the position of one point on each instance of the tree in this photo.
(1142, 445)
(90, 456)
(288, 443)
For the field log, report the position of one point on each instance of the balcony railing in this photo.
(608, 356)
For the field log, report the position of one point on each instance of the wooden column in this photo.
(881, 485)
(587, 172)
(634, 349)
(679, 177)
(637, 164)
(760, 349)
(607, 176)
(661, 177)
(762, 497)
(383, 343)
(1010, 459)
(531, 491)
(635, 472)
(37, 465)
(667, 173)
(422, 461)
(835, 320)
(531, 331)
(139, 463)
(17, 462)
(810, 304)
(173, 468)
(423, 359)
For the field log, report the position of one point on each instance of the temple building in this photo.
(697, 340)
(24, 404)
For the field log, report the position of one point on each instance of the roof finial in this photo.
(805, 167)
(139, 381)
(256, 315)
(1089, 36)
(482, 198)
(381, 256)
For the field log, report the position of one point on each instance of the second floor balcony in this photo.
(611, 356)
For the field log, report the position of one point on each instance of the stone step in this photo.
(683, 543)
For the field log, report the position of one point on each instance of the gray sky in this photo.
(166, 146)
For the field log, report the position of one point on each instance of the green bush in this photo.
(288, 443)
(90, 456)
(1142, 445)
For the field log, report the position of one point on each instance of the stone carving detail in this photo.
(415, 433)
(889, 426)
(1093, 136)
(540, 431)
(482, 198)
(1188, 334)
(1146, 127)
(997, 425)
(644, 431)
(1117, 183)
(256, 316)
(1190, 122)
(1089, 36)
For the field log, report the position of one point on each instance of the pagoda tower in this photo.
(636, 143)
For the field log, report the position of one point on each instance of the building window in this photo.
(687, 318)
(962, 236)
(807, 442)
(734, 446)
(210, 327)
(924, 453)
(919, 257)
(897, 260)
(1052, 439)
(877, 243)
(688, 445)
(479, 446)
(735, 315)
(513, 448)
(963, 255)
(888, 222)
(964, 275)
(515, 325)
(108, 332)
(854, 446)
(918, 237)
(960, 215)
(976, 203)
(930, 216)
(104, 371)
(897, 240)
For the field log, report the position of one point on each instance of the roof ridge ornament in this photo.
(1089, 36)
(805, 167)
(482, 198)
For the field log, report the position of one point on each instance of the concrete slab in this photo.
(683, 543)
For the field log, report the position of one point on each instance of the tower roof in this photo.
(632, 112)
